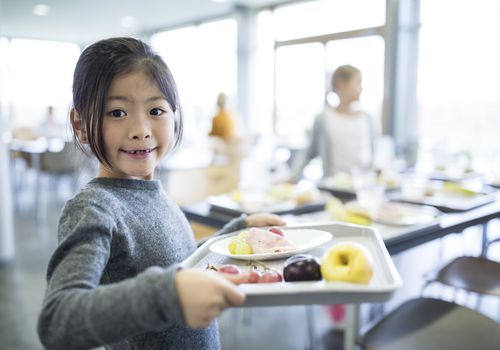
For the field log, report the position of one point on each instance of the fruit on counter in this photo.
(347, 262)
(258, 241)
(303, 267)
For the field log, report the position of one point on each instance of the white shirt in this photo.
(350, 139)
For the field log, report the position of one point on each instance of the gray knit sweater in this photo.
(111, 280)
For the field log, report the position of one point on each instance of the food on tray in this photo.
(347, 262)
(394, 212)
(253, 275)
(277, 230)
(344, 181)
(405, 214)
(239, 245)
(282, 194)
(455, 188)
(259, 241)
(301, 193)
(303, 267)
(229, 268)
(340, 180)
(350, 212)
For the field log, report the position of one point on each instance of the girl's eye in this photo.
(117, 113)
(157, 111)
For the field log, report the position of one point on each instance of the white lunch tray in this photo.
(385, 279)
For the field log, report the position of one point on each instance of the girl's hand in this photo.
(257, 220)
(203, 295)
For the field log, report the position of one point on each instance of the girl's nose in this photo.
(140, 129)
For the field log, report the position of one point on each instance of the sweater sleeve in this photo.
(77, 312)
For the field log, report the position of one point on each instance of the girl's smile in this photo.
(138, 127)
(140, 153)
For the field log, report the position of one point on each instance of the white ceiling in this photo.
(85, 21)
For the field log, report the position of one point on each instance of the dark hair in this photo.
(344, 73)
(96, 68)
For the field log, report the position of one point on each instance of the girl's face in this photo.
(138, 127)
(350, 90)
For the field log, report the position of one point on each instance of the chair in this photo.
(474, 274)
(432, 324)
(64, 163)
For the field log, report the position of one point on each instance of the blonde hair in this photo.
(343, 73)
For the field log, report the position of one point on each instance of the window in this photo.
(303, 70)
(300, 87)
(41, 75)
(459, 71)
(327, 16)
(203, 62)
(367, 54)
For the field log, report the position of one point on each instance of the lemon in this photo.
(239, 246)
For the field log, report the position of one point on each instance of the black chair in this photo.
(432, 324)
(475, 274)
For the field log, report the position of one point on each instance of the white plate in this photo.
(304, 239)
(406, 214)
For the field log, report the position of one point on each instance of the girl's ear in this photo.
(78, 129)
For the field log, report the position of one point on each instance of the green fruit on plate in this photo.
(239, 246)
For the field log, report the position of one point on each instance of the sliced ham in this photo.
(264, 241)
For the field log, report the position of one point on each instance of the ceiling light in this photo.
(128, 21)
(41, 10)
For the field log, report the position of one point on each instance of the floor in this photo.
(22, 286)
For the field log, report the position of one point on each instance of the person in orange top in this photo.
(223, 123)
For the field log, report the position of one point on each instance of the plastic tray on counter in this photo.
(385, 281)
(450, 204)
(222, 204)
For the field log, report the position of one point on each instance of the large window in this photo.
(300, 87)
(309, 41)
(327, 16)
(38, 74)
(459, 71)
(203, 62)
(366, 53)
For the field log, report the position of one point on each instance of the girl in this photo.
(342, 136)
(114, 279)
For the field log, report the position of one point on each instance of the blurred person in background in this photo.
(343, 136)
(223, 123)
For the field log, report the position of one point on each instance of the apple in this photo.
(347, 262)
